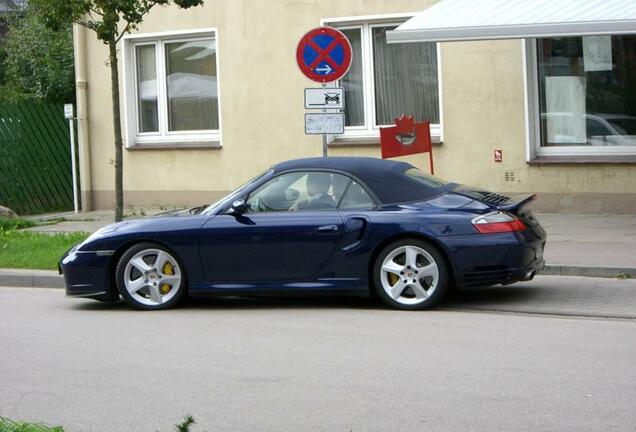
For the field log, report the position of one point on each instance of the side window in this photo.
(299, 191)
(356, 198)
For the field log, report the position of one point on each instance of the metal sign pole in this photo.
(69, 113)
(324, 136)
(73, 167)
(325, 68)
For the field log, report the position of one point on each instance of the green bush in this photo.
(36, 63)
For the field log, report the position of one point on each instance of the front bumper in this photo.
(87, 274)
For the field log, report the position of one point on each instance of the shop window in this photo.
(587, 93)
(388, 80)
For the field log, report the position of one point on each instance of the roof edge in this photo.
(511, 31)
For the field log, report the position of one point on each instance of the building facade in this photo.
(212, 95)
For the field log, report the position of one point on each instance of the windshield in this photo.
(425, 179)
(234, 195)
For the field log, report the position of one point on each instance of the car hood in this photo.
(111, 236)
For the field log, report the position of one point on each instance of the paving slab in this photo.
(86, 222)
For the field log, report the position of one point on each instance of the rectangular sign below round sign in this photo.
(324, 123)
(324, 98)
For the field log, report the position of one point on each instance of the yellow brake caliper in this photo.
(168, 269)
(393, 278)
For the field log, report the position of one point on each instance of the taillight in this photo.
(498, 222)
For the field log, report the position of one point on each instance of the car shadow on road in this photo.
(499, 296)
(463, 299)
(251, 302)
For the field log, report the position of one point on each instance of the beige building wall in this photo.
(262, 112)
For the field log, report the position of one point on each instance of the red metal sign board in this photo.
(324, 54)
(406, 138)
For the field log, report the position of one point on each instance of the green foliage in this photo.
(13, 224)
(36, 61)
(109, 19)
(7, 425)
(185, 425)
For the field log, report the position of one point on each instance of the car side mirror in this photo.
(239, 207)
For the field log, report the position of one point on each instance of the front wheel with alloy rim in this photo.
(411, 274)
(150, 277)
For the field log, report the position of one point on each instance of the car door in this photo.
(288, 233)
(354, 207)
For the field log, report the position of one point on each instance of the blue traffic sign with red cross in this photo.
(324, 54)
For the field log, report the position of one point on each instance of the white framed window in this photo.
(171, 87)
(581, 96)
(386, 81)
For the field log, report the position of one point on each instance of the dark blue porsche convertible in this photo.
(328, 224)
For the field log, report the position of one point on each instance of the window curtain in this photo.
(353, 83)
(192, 85)
(405, 77)
(147, 88)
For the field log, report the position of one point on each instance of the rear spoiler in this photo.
(518, 204)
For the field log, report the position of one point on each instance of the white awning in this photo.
(461, 20)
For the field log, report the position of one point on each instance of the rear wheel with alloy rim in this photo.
(410, 274)
(150, 277)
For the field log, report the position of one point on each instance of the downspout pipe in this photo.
(81, 94)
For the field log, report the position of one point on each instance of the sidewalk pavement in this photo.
(578, 244)
(590, 245)
(86, 222)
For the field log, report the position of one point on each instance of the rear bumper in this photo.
(490, 259)
(503, 276)
(86, 274)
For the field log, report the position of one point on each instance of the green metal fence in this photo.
(35, 161)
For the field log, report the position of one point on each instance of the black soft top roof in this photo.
(386, 178)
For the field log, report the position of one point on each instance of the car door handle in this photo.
(327, 229)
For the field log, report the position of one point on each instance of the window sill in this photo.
(350, 141)
(556, 160)
(176, 145)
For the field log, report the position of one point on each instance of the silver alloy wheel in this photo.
(409, 275)
(152, 277)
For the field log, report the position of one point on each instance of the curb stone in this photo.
(588, 271)
(31, 278)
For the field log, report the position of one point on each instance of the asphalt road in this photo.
(487, 361)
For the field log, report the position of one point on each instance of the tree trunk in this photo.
(114, 81)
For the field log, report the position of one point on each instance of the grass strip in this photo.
(34, 250)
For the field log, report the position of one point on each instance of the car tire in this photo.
(147, 284)
(411, 274)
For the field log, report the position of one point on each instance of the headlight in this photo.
(99, 233)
